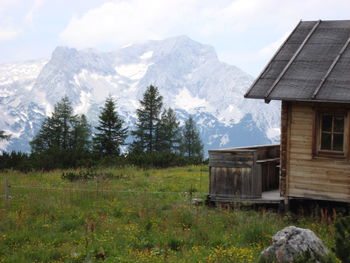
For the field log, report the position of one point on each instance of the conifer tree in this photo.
(62, 130)
(3, 136)
(63, 139)
(146, 135)
(110, 134)
(56, 131)
(191, 145)
(168, 132)
(63, 121)
(81, 134)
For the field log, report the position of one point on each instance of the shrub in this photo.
(342, 237)
(175, 244)
(78, 176)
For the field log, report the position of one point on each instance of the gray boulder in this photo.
(293, 242)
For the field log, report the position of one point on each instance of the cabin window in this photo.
(331, 134)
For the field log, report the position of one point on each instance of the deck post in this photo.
(286, 204)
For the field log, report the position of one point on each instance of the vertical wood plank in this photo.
(283, 152)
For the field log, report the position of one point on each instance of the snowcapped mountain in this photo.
(188, 74)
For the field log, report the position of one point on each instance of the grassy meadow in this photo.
(132, 215)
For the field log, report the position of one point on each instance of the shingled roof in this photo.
(313, 64)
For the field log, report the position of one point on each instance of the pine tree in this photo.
(81, 134)
(60, 131)
(191, 145)
(3, 136)
(63, 122)
(55, 130)
(110, 134)
(168, 132)
(63, 140)
(44, 140)
(146, 133)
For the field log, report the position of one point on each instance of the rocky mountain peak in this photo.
(188, 74)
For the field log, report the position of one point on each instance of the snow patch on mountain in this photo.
(146, 55)
(20, 71)
(188, 74)
(84, 105)
(231, 115)
(185, 100)
(224, 140)
(133, 71)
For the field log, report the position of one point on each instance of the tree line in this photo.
(67, 140)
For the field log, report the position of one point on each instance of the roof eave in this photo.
(296, 99)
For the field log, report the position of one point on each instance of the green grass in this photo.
(118, 220)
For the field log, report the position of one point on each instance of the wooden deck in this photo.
(268, 197)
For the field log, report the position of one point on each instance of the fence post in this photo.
(200, 181)
(7, 195)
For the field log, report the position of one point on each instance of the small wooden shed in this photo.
(244, 174)
(310, 74)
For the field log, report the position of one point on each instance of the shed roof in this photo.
(313, 64)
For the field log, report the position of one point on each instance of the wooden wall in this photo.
(232, 175)
(310, 176)
(243, 173)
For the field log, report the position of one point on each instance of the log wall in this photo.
(243, 173)
(309, 176)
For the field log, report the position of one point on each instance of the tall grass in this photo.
(134, 215)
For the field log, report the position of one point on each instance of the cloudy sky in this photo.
(244, 33)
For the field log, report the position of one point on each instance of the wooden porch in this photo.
(245, 175)
(267, 197)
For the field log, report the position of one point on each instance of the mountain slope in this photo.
(188, 74)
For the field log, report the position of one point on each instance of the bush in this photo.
(90, 174)
(78, 176)
(342, 239)
(160, 159)
(175, 244)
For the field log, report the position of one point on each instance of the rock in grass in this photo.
(197, 201)
(292, 243)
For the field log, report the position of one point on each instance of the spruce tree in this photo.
(63, 140)
(110, 134)
(168, 132)
(57, 130)
(146, 133)
(3, 136)
(191, 145)
(81, 134)
(63, 122)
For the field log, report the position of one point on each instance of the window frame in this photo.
(317, 133)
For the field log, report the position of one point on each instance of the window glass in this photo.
(338, 142)
(338, 123)
(332, 132)
(326, 142)
(327, 123)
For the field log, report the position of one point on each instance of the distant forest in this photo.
(66, 140)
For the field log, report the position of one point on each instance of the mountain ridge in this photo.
(188, 74)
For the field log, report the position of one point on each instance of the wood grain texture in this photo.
(243, 173)
(310, 176)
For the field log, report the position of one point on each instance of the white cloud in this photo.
(271, 48)
(120, 22)
(7, 34)
(29, 17)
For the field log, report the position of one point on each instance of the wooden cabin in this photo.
(310, 74)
